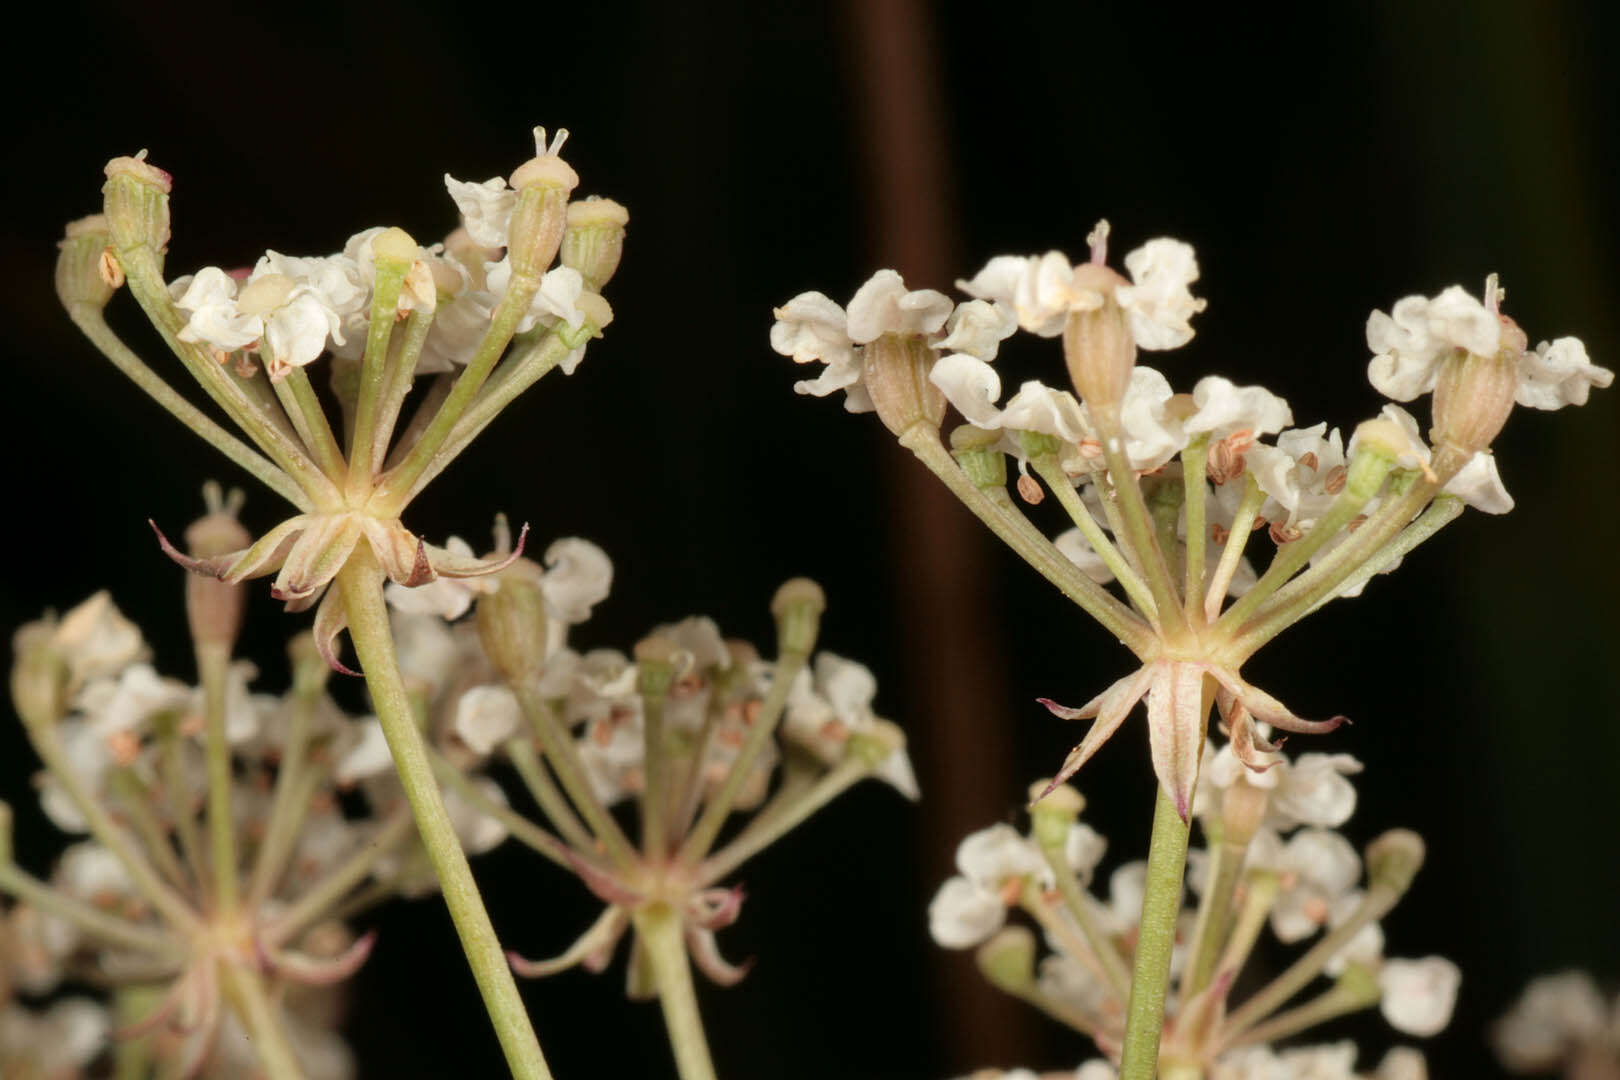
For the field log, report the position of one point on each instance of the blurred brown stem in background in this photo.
(958, 708)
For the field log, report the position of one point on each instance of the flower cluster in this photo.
(1272, 858)
(226, 836)
(1164, 489)
(1562, 1024)
(690, 726)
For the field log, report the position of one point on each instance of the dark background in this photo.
(1323, 162)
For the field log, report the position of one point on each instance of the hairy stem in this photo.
(1161, 903)
(361, 583)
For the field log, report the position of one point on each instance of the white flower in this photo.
(963, 915)
(1476, 483)
(1225, 409)
(1159, 304)
(1078, 550)
(58, 1042)
(1419, 994)
(1403, 1063)
(1301, 475)
(883, 305)
(426, 649)
(1153, 434)
(823, 712)
(578, 577)
(1558, 374)
(486, 716)
(1411, 342)
(291, 317)
(1126, 887)
(990, 857)
(1312, 790)
(124, 705)
(366, 754)
(95, 640)
(486, 208)
(1041, 290)
(972, 387)
(1038, 288)
(93, 873)
(1365, 947)
(1556, 1015)
(978, 328)
(1325, 867)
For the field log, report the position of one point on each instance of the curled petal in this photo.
(320, 972)
(706, 957)
(1176, 728)
(398, 550)
(330, 620)
(713, 909)
(448, 564)
(592, 950)
(214, 567)
(316, 557)
(1110, 708)
(1270, 710)
(1248, 746)
(269, 552)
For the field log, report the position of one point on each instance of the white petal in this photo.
(811, 327)
(578, 576)
(1159, 303)
(971, 386)
(1479, 485)
(1078, 550)
(978, 327)
(1419, 995)
(1313, 791)
(486, 208)
(487, 716)
(367, 756)
(990, 856)
(1557, 374)
(1225, 408)
(962, 915)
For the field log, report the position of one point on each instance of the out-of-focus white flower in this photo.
(1335, 1061)
(57, 1042)
(1403, 1063)
(95, 640)
(478, 831)
(366, 754)
(1312, 790)
(486, 716)
(824, 711)
(1558, 373)
(1325, 867)
(1365, 947)
(119, 706)
(962, 915)
(578, 577)
(1410, 342)
(426, 648)
(1419, 994)
(93, 873)
(1555, 1017)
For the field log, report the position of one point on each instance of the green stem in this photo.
(360, 581)
(176, 785)
(261, 468)
(136, 798)
(564, 758)
(170, 904)
(1232, 553)
(1214, 912)
(1079, 906)
(390, 276)
(213, 665)
(1336, 1002)
(662, 932)
(1443, 511)
(1140, 532)
(87, 917)
(703, 834)
(1161, 904)
(133, 1058)
(314, 901)
(1194, 464)
(655, 799)
(268, 431)
(261, 1022)
(777, 820)
(519, 373)
(522, 829)
(1058, 481)
(401, 375)
(304, 410)
(1374, 906)
(288, 804)
(399, 482)
(1260, 892)
(1039, 553)
(520, 752)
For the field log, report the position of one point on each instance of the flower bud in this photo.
(797, 606)
(594, 239)
(39, 675)
(1051, 815)
(657, 657)
(1097, 343)
(1007, 960)
(310, 670)
(1378, 444)
(543, 184)
(137, 203)
(1473, 396)
(1394, 859)
(895, 373)
(512, 622)
(213, 608)
(975, 450)
(85, 275)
